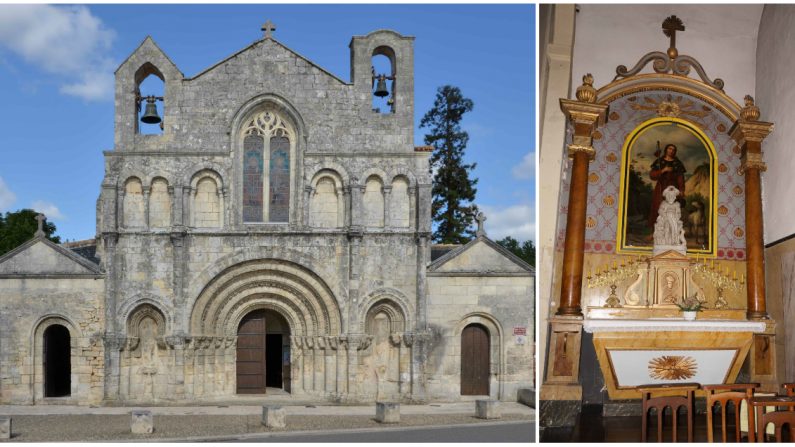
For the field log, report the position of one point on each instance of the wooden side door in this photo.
(251, 354)
(475, 361)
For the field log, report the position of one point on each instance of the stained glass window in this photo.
(253, 146)
(279, 180)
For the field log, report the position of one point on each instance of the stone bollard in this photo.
(274, 416)
(487, 409)
(5, 427)
(387, 412)
(141, 423)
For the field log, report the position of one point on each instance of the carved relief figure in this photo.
(670, 289)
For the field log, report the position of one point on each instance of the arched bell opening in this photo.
(263, 353)
(57, 362)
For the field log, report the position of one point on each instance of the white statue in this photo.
(669, 231)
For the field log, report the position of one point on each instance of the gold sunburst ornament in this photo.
(672, 367)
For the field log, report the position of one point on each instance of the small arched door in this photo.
(475, 355)
(57, 362)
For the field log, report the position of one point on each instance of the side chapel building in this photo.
(273, 238)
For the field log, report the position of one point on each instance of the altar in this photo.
(660, 221)
(634, 352)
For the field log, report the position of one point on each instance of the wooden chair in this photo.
(735, 393)
(778, 418)
(660, 403)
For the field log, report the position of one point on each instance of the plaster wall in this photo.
(722, 37)
(774, 71)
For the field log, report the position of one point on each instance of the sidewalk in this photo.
(74, 423)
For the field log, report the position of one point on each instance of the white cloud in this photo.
(517, 221)
(48, 209)
(67, 41)
(526, 169)
(7, 197)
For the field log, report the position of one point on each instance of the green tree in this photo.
(453, 191)
(18, 227)
(526, 250)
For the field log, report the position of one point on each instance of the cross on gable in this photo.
(40, 220)
(481, 218)
(269, 28)
(670, 26)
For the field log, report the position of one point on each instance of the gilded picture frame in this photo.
(660, 152)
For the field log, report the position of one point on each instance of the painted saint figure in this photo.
(667, 171)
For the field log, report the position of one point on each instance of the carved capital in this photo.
(395, 338)
(744, 132)
(575, 148)
(408, 339)
(753, 160)
(332, 343)
(589, 114)
(114, 342)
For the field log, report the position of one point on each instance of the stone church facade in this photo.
(274, 238)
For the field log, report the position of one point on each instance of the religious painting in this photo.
(659, 153)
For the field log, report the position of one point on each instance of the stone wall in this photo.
(28, 307)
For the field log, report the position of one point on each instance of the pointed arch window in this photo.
(268, 154)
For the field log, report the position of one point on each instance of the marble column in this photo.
(749, 134)
(585, 115)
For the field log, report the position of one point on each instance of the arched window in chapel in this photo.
(268, 148)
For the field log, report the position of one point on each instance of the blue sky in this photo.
(57, 63)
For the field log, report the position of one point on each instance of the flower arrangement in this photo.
(691, 304)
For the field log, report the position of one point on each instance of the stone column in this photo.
(296, 365)
(319, 361)
(585, 116)
(749, 134)
(309, 377)
(422, 299)
(307, 198)
(177, 345)
(147, 191)
(357, 204)
(354, 342)
(342, 374)
(331, 382)
(120, 207)
(229, 368)
(113, 344)
(387, 205)
(186, 193)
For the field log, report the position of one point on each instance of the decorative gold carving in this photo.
(753, 160)
(586, 92)
(751, 111)
(670, 61)
(581, 140)
(574, 148)
(672, 367)
(671, 107)
(671, 83)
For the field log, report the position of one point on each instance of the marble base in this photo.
(559, 413)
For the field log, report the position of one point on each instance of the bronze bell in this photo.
(150, 113)
(380, 88)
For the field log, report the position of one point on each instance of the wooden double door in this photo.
(263, 359)
(475, 361)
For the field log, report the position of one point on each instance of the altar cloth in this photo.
(671, 325)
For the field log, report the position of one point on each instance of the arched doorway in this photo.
(475, 360)
(57, 362)
(263, 353)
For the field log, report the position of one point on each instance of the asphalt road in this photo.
(503, 432)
